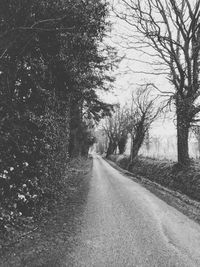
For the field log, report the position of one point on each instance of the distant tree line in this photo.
(52, 60)
(132, 120)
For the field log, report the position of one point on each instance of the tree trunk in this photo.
(110, 149)
(112, 146)
(182, 142)
(183, 125)
(134, 151)
(136, 145)
(122, 144)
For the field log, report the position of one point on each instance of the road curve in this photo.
(126, 225)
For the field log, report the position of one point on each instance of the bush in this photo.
(34, 157)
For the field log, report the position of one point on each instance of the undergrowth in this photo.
(14, 224)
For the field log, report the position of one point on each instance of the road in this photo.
(126, 225)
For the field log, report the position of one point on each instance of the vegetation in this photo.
(134, 121)
(164, 172)
(53, 63)
(171, 29)
(49, 242)
(141, 115)
(52, 60)
(115, 130)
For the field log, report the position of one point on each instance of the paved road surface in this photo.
(126, 225)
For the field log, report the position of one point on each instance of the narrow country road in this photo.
(126, 225)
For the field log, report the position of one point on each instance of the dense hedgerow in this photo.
(50, 67)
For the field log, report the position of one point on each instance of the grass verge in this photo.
(179, 188)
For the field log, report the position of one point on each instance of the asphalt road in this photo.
(126, 225)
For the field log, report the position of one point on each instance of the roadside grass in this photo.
(165, 173)
(180, 188)
(52, 237)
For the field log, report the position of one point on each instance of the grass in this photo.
(165, 173)
(179, 189)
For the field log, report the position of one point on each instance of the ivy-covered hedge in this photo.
(50, 67)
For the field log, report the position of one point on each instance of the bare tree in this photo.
(122, 119)
(172, 29)
(141, 115)
(110, 129)
(101, 141)
(115, 128)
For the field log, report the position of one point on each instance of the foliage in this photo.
(52, 61)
